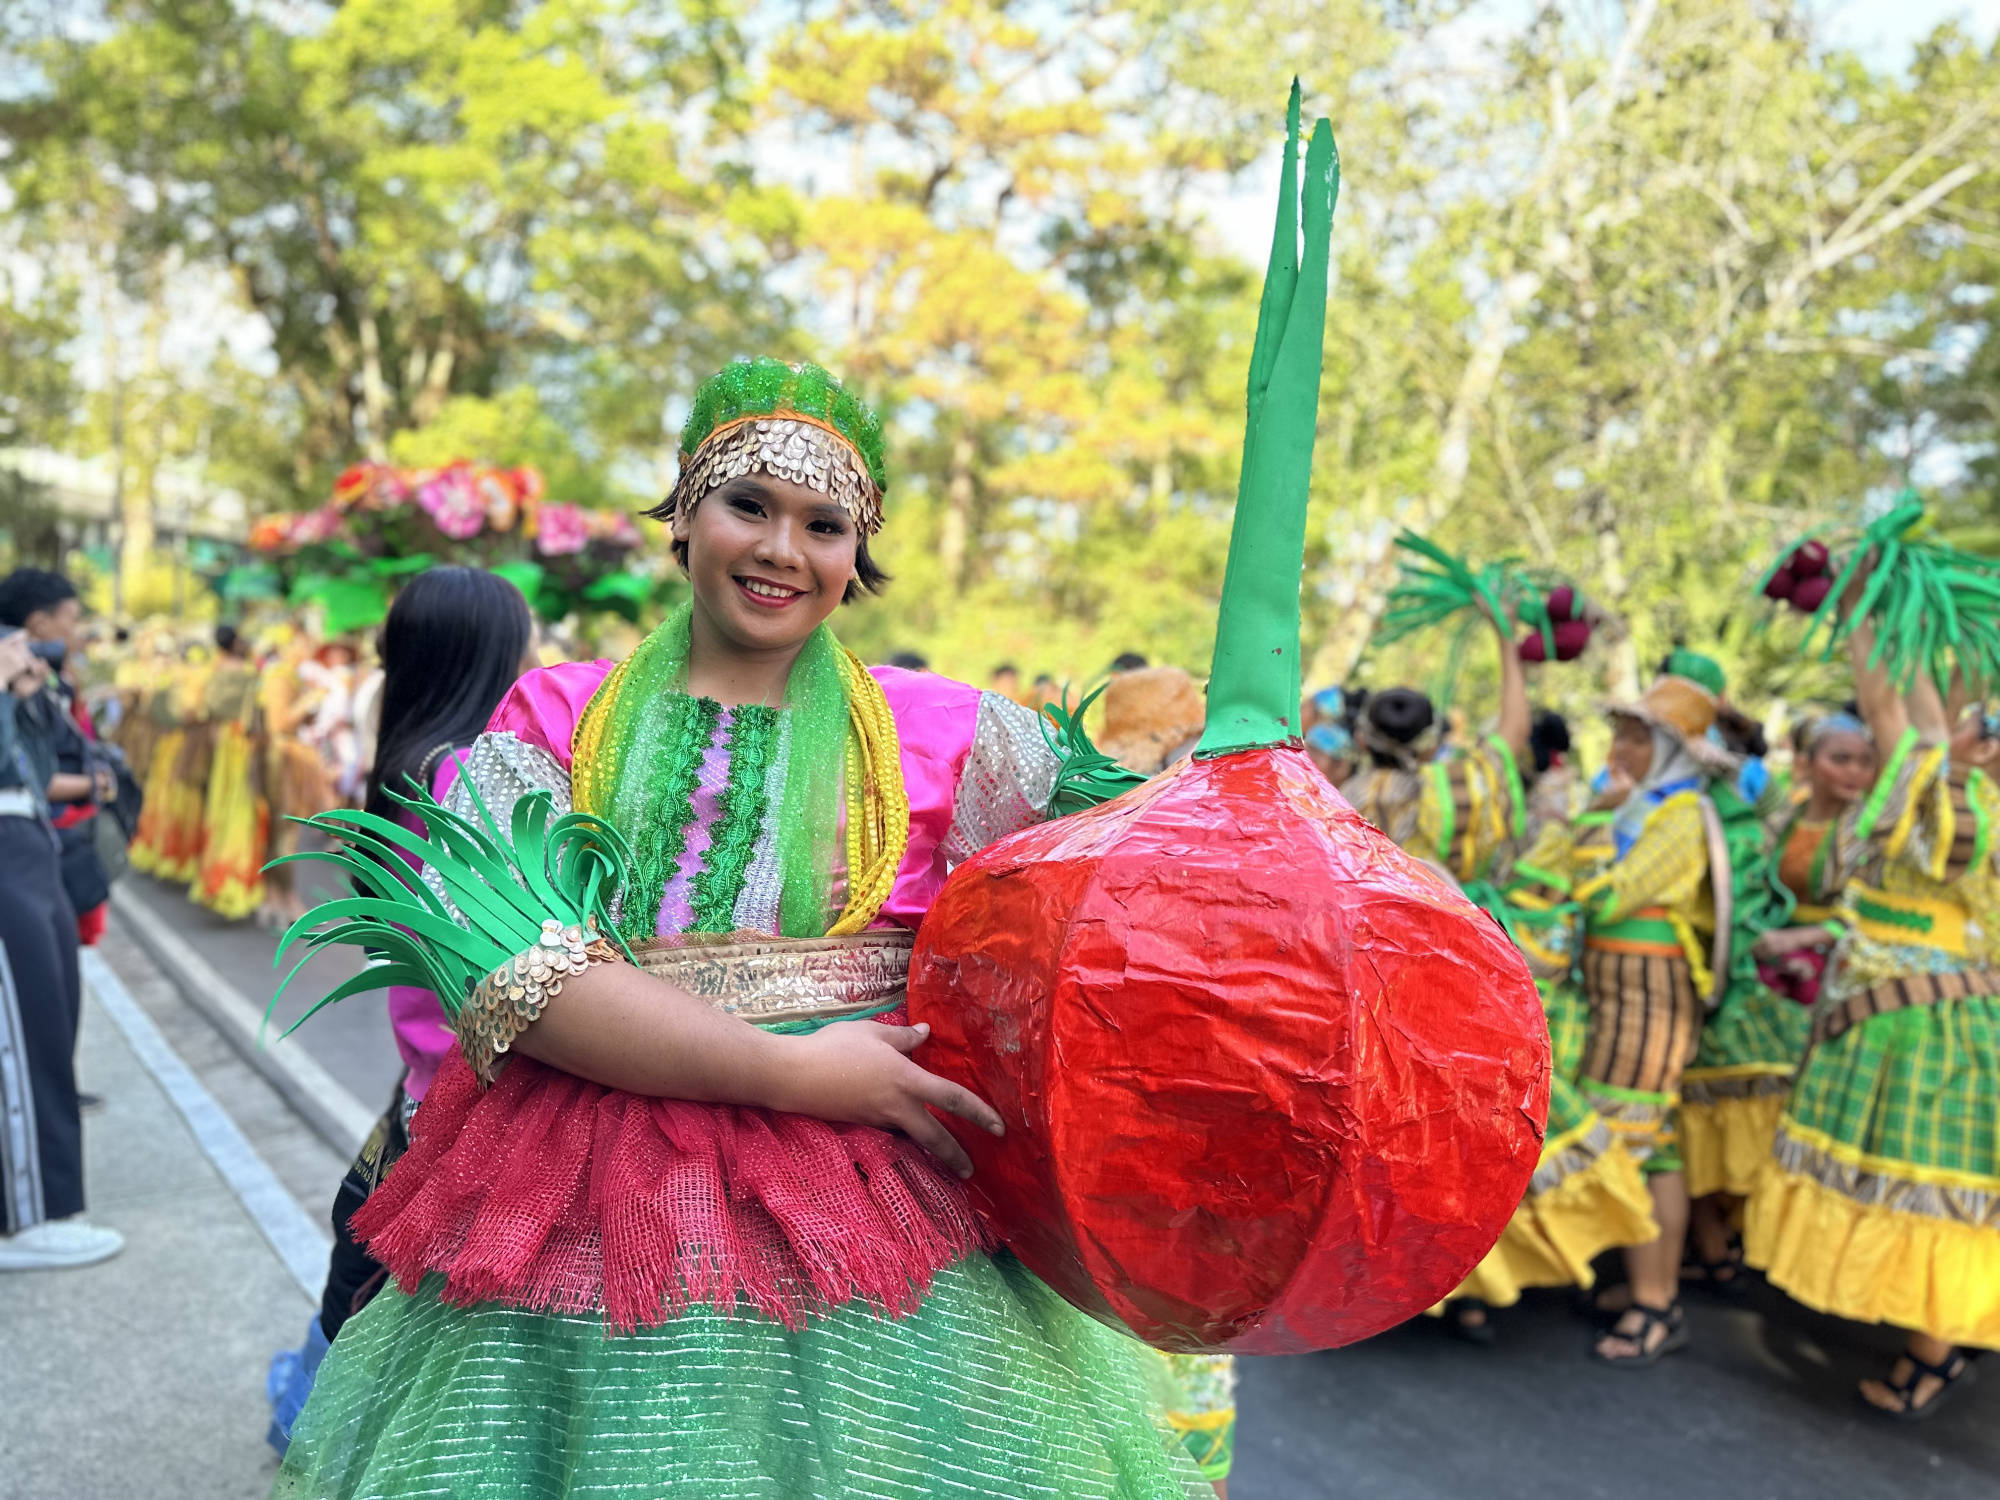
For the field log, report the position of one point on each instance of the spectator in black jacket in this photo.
(41, 1149)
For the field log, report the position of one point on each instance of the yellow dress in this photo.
(294, 780)
(157, 844)
(1881, 1202)
(228, 874)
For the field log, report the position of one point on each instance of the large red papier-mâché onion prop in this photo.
(1271, 1085)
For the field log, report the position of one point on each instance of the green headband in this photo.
(796, 422)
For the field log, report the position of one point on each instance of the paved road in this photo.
(1760, 1408)
(143, 1378)
(351, 1040)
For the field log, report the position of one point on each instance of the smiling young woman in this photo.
(690, 1225)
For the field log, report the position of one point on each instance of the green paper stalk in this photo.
(1254, 681)
(1433, 586)
(1934, 609)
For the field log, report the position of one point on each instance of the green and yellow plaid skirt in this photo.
(1569, 1020)
(1882, 1203)
(1735, 1089)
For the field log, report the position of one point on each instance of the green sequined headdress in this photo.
(796, 422)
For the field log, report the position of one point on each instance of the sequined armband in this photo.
(512, 998)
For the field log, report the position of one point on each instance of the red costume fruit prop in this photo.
(1533, 647)
(1809, 593)
(1571, 637)
(1562, 604)
(1780, 584)
(1270, 1084)
(1808, 561)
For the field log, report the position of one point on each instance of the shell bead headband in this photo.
(793, 422)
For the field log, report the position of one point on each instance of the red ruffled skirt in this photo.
(550, 1193)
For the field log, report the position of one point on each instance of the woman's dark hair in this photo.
(1548, 737)
(868, 575)
(1399, 714)
(1742, 734)
(451, 648)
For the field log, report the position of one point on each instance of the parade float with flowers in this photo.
(384, 522)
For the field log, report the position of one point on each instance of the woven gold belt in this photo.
(768, 981)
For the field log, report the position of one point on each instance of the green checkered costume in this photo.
(1883, 1201)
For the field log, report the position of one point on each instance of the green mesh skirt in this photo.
(1733, 1091)
(994, 1387)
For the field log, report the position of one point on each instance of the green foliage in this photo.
(1637, 303)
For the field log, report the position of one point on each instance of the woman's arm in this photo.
(1927, 711)
(619, 1026)
(1516, 718)
(1881, 709)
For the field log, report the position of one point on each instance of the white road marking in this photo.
(296, 1236)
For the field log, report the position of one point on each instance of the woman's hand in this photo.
(1617, 787)
(860, 1073)
(15, 660)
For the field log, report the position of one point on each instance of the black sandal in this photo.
(1956, 1371)
(1721, 1278)
(1479, 1334)
(1671, 1319)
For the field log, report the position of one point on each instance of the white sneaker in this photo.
(57, 1245)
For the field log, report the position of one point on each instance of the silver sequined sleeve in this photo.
(1009, 778)
(502, 768)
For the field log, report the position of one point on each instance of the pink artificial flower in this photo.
(561, 530)
(454, 506)
(316, 526)
(389, 488)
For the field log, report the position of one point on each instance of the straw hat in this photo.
(1149, 716)
(1686, 709)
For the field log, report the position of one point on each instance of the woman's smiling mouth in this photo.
(765, 594)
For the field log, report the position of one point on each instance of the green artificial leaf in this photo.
(250, 581)
(400, 567)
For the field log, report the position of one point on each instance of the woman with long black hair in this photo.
(454, 643)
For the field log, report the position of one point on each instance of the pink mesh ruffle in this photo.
(551, 1193)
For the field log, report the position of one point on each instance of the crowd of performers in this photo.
(232, 735)
(1772, 999)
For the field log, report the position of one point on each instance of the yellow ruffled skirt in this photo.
(1587, 1196)
(1881, 1202)
(1735, 1089)
(1726, 1136)
(228, 877)
(156, 818)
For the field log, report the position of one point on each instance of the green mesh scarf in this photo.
(638, 752)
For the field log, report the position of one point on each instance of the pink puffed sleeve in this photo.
(936, 720)
(542, 708)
